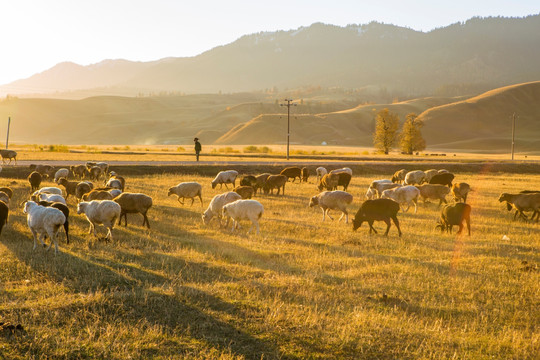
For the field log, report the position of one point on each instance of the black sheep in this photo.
(35, 180)
(454, 215)
(442, 179)
(377, 210)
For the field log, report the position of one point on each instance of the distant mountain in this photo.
(481, 54)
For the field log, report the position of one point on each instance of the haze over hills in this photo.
(478, 55)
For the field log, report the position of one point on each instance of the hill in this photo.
(475, 56)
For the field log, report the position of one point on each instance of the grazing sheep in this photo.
(79, 171)
(95, 172)
(305, 174)
(83, 188)
(292, 172)
(102, 165)
(187, 190)
(371, 194)
(216, 206)
(460, 191)
(70, 186)
(522, 202)
(430, 174)
(61, 173)
(399, 176)
(454, 215)
(246, 192)
(97, 195)
(378, 186)
(249, 180)
(404, 196)
(332, 200)
(344, 179)
(7, 190)
(34, 179)
(225, 177)
(443, 179)
(414, 177)
(114, 179)
(329, 182)
(320, 171)
(114, 183)
(51, 198)
(261, 179)
(275, 182)
(8, 154)
(4, 214)
(244, 210)
(99, 212)
(64, 209)
(377, 210)
(44, 170)
(342, 170)
(134, 203)
(434, 192)
(44, 221)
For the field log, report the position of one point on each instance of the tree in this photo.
(411, 139)
(386, 130)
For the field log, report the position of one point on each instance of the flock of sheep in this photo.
(47, 209)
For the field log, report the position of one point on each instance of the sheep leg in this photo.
(388, 223)
(371, 228)
(180, 201)
(146, 220)
(328, 214)
(415, 201)
(460, 227)
(192, 201)
(403, 207)
(200, 198)
(396, 222)
(323, 214)
(226, 186)
(66, 229)
(468, 221)
(233, 225)
(34, 234)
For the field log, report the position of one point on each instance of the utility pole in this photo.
(288, 105)
(7, 138)
(513, 133)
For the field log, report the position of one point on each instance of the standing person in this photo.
(198, 147)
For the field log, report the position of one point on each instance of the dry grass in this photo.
(302, 289)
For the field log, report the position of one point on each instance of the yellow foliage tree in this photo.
(411, 139)
(386, 130)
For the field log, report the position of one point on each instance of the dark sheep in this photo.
(4, 213)
(292, 172)
(8, 154)
(34, 179)
(261, 179)
(64, 209)
(331, 181)
(246, 192)
(377, 210)
(454, 215)
(305, 174)
(7, 190)
(442, 179)
(275, 182)
(249, 180)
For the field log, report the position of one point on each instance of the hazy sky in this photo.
(37, 34)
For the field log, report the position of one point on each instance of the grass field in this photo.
(301, 289)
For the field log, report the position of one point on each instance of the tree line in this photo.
(387, 134)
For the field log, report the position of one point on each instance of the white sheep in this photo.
(114, 183)
(44, 221)
(244, 210)
(429, 174)
(216, 206)
(52, 198)
(320, 173)
(380, 185)
(415, 177)
(97, 212)
(371, 194)
(332, 200)
(48, 190)
(403, 195)
(342, 170)
(115, 192)
(225, 177)
(187, 190)
(61, 173)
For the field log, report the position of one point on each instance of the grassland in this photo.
(301, 289)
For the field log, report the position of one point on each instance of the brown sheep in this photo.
(331, 181)
(275, 182)
(70, 186)
(97, 195)
(246, 192)
(35, 180)
(261, 179)
(133, 203)
(79, 171)
(95, 172)
(454, 215)
(249, 180)
(305, 174)
(460, 191)
(292, 172)
(377, 210)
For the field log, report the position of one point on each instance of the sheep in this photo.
(35, 180)
(344, 179)
(430, 173)
(244, 210)
(114, 179)
(134, 203)
(261, 179)
(79, 171)
(7, 190)
(49, 190)
(44, 221)
(378, 186)
(292, 172)
(83, 188)
(442, 179)
(115, 192)
(249, 180)
(320, 171)
(433, 191)
(61, 173)
(51, 198)
(4, 198)
(443, 171)
(460, 191)
(44, 170)
(246, 192)
(8, 154)
(371, 194)
(70, 186)
(454, 215)
(329, 182)
(216, 206)
(100, 212)
(414, 177)
(64, 209)
(102, 165)
(399, 176)
(187, 190)
(4, 214)
(342, 170)
(114, 183)
(97, 195)
(95, 172)
(377, 210)
(404, 196)
(522, 202)
(275, 182)
(225, 177)
(305, 174)
(332, 200)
